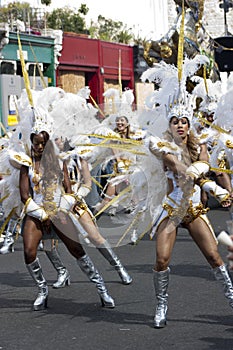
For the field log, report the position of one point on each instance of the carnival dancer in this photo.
(43, 184)
(182, 205)
(179, 153)
(8, 225)
(74, 117)
(81, 181)
(207, 95)
(119, 164)
(46, 207)
(223, 121)
(9, 186)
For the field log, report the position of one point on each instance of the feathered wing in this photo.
(209, 93)
(9, 185)
(224, 110)
(11, 195)
(73, 116)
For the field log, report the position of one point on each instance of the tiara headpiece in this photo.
(42, 122)
(180, 106)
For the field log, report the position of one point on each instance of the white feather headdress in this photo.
(172, 93)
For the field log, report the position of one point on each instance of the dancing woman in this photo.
(81, 180)
(44, 190)
(119, 164)
(182, 205)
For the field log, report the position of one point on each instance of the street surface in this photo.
(199, 317)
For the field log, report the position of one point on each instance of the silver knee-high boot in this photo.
(63, 276)
(8, 244)
(221, 274)
(90, 271)
(161, 279)
(107, 252)
(36, 272)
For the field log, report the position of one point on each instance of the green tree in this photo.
(15, 10)
(46, 2)
(68, 20)
(83, 9)
(109, 30)
(125, 36)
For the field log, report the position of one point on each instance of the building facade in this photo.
(98, 64)
(38, 52)
(213, 19)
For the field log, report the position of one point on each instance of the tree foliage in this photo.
(46, 2)
(15, 10)
(68, 20)
(109, 30)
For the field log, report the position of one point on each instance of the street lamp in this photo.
(226, 5)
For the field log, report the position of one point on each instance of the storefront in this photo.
(38, 52)
(94, 63)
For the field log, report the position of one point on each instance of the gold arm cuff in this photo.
(89, 187)
(201, 161)
(225, 198)
(46, 218)
(203, 181)
(77, 197)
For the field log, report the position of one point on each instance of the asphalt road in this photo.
(198, 317)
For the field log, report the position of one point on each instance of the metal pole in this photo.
(225, 6)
